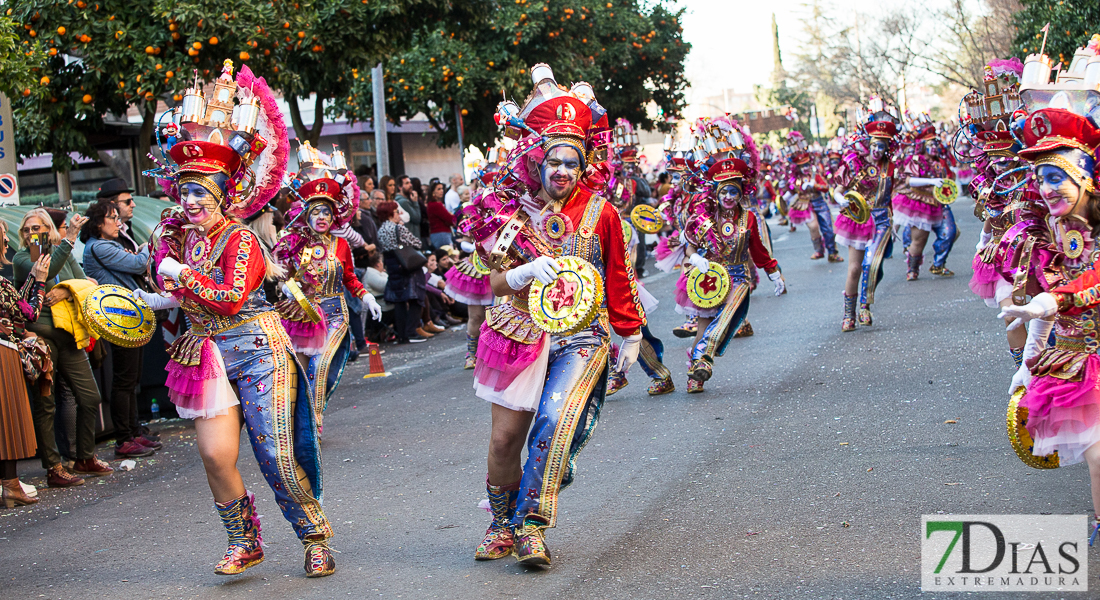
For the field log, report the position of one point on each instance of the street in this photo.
(801, 472)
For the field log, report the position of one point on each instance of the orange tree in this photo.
(631, 52)
(106, 56)
(1071, 24)
(314, 49)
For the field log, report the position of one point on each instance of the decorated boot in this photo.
(941, 271)
(531, 541)
(661, 386)
(835, 258)
(849, 322)
(1017, 356)
(500, 537)
(688, 329)
(819, 249)
(320, 561)
(745, 330)
(915, 262)
(245, 543)
(616, 381)
(694, 386)
(471, 352)
(864, 316)
(701, 370)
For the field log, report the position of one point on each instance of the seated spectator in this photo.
(70, 362)
(108, 261)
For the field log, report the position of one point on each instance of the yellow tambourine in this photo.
(478, 264)
(300, 297)
(708, 289)
(647, 218)
(857, 210)
(1021, 439)
(570, 302)
(117, 315)
(946, 193)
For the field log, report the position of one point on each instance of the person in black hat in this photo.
(117, 191)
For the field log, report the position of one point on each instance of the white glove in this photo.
(372, 306)
(699, 262)
(286, 290)
(171, 268)
(467, 247)
(156, 301)
(807, 185)
(628, 352)
(1042, 306)
(1038, 332)
(787, 197)
(780, 284)
(543, 268)
(925, 181)
(984, 240)
(840, 199)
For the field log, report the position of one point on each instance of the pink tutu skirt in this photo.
(910, 212)
(668, 258)
(308, 338)
(467, 289)
(201, 391)
(685, 306)
(798, 217)
(852, 234)
(985, 278)
(510, 373)
(1064, 415)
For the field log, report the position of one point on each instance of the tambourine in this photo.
(478, 264)
(647, 218)
(857, 210)
(1021, 439)
(628, 233)
(571, 302)
(708, 289)
(946, 193)
(300, 297)
(117, 315)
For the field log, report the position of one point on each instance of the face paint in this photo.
(1058, 190)
(320, 217)
(729, 195)
(198, 203)
(676, 177)
(934, 148)
(560, 171)
(834, 163)
(878, 150)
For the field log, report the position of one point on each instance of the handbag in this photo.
(410, 258)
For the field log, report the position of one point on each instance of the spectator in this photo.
(388, 185)
(400, 288)
(69, 361)
(663, 186)
(367, 184)
(18, 350)
(116, 191)
(421, 199)
(108, 261)
(440, 220)
(408, 202)
(374, 279)
(452, 200)
(464, 195)
(5, 253)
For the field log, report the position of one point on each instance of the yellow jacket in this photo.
(67, 314)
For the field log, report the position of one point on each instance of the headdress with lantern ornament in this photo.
(797, 150)
(324, 178)
(990, 111)
(731, 155)
(244, 141)
(551, 116)
(1063, 126)
(623, 156)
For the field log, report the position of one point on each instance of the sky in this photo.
(732, 44)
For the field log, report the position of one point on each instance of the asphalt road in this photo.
(802, 471)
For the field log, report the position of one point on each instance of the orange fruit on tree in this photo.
(170, 74)
(87, 98)
(26, 91)
(61, 30)
(197, 45)
(244, 56)
(213, 41)
(149, 50)
(53, 51)
(44, 81)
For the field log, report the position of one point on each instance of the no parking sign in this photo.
(9, 183)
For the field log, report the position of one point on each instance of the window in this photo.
(361, 151)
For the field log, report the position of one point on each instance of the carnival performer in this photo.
(866, 173)
(547, 387)
(468, 279)
(986, 147)
(236, 365)
(804, 192)
(722, 234)
(670, 250)
(621, 192)
(915, 205)
(325, 197)
(1062, 399)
